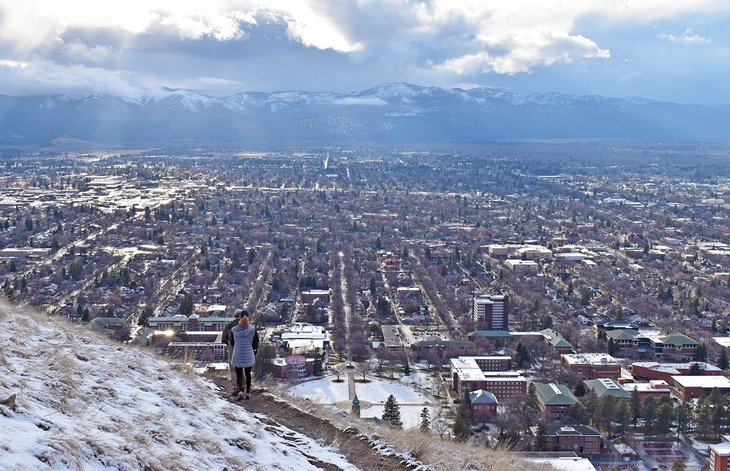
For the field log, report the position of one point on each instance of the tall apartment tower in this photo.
(491, 310)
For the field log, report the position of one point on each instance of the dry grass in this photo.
(426, 448)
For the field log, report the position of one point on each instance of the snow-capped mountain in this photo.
(70, 400)
(387, 113)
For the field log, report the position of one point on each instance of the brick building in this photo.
(491, 311)
(652, 344)
(591, 365)
(691, 387)
(554, 400)
(720, 457)
(293, 367)
(483, 406)
(656, 388)
(493, 363)
(651, 370)
(467, 374)
(580, 439)
(188, 323)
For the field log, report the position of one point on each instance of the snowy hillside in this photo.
(83, 403)
(388, 113)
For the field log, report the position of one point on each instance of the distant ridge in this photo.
(388, 113)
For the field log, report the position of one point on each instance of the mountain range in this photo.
(391, 113)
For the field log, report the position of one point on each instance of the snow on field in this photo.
(321, 391)
(377, 391)
(372, 396)
(84, 403)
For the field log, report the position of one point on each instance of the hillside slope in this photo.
(83, 403)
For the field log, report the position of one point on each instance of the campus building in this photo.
(468, 375)
(652, 370)
(591, 365)
(720, 457)
(691, 387)
(580, 439)
(491, 310)
(554, 400)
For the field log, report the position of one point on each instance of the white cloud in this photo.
(81, 52)
(521, 52)
(13, 64)
(687, 38)
(45, 77)
(203, 44)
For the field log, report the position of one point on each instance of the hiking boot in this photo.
(240, 396)
(247, 396)
(235, 393)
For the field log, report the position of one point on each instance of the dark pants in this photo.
(239, 379)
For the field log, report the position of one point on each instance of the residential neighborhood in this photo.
(543, 307)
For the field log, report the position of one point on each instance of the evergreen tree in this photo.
(523, 355)
(591, 402)
(718, 404)
(425, 421)
(635, 403)
(649, 414)
(531, 398)
(703, 417)
(391, 413)
(186, 305)
(461, 428)
(701, 352)
(684, 417)
(623, 416)
(264, 362)
(605, 412)
(665, 418)
(577, 413)
(694, 370)
(540, 436)
(146, 314)
(679, 466)
(722, 360)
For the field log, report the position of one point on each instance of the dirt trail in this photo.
(357, 451)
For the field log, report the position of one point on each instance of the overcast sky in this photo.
(674, 50)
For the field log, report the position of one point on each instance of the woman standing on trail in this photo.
(245, 346)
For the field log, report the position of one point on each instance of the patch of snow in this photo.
(83, 403)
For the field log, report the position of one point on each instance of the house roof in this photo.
(481, 396)
(489, 333)
(622, 334)
(606, 387)
(554, 394)
(573, 429)
(677, 339)
(555, 339)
